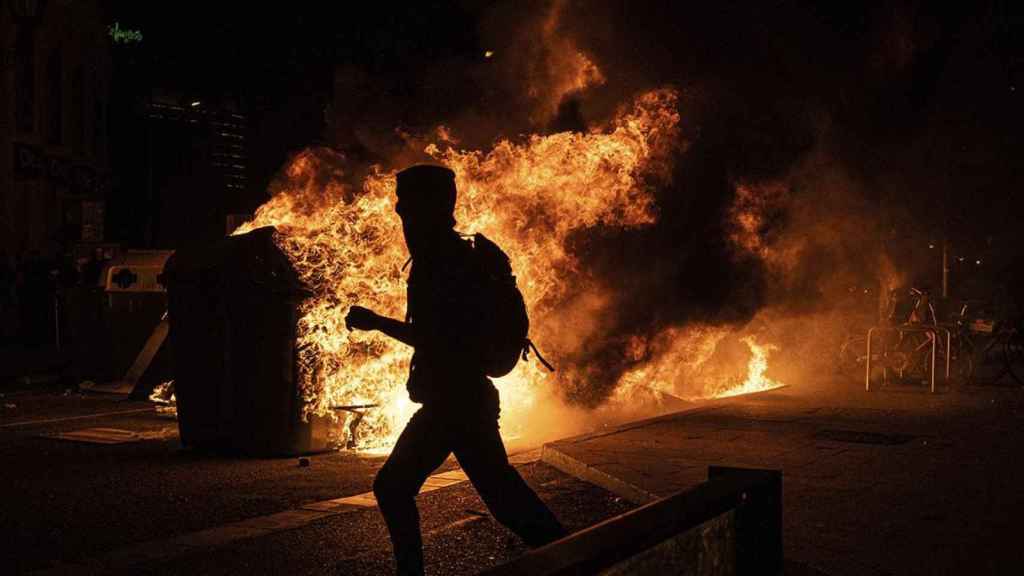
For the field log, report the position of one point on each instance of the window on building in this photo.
(25, 79)
(55, 99)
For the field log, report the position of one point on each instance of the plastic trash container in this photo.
(232, 309)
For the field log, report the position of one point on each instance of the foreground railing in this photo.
(731, 524)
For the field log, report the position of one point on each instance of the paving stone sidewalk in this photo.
(886, 482)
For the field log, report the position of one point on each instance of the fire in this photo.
(676, 355)
(163, 396)
(756, 380)
(561, 69)
(696, 362)
(693, 361)
(529, 196)
(750, 214)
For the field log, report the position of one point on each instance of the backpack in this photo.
(503, 322)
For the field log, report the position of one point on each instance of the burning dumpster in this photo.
(232, 312)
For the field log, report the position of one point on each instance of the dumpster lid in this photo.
(250, 261)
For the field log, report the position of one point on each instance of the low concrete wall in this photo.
(731, 524)
(708, 549)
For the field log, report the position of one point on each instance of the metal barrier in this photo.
(731, 524)
(932, 331)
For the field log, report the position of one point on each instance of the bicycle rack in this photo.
(933, 331)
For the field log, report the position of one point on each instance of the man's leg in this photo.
(482, 456)
(421, 448)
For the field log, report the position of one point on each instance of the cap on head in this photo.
(426, 190)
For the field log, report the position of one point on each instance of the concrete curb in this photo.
(551, 455)
(710, 404)
(581, 470)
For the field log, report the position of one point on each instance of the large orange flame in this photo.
(686, 361)
(528, 196)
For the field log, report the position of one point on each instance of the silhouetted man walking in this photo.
(460, 404)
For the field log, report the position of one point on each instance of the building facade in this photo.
(54, 94)
(195, 159)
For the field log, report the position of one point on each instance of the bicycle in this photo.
(909, 335)
(1002, 352)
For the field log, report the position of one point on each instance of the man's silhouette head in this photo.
(426, 203)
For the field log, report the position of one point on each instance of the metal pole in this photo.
(949, 353)
(867, 363)
(935, 339)
(945, 267)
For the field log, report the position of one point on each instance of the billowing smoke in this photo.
(802, 148)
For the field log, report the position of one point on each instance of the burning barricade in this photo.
(257, 322)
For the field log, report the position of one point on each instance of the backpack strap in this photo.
(529, 345)
(408, 312)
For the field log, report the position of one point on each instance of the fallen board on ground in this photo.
(113, 435)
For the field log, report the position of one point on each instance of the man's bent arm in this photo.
(401, 331)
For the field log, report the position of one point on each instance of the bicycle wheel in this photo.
(962, 360)
(852, 355)
(912, 358)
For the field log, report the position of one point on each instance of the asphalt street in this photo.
(892, 481)
(147, 505)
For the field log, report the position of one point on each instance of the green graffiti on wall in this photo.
(123, 35)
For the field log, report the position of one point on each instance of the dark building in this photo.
(119, 128)
(201, 122)
(54, 94)
(183, 169)
(221, 133)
